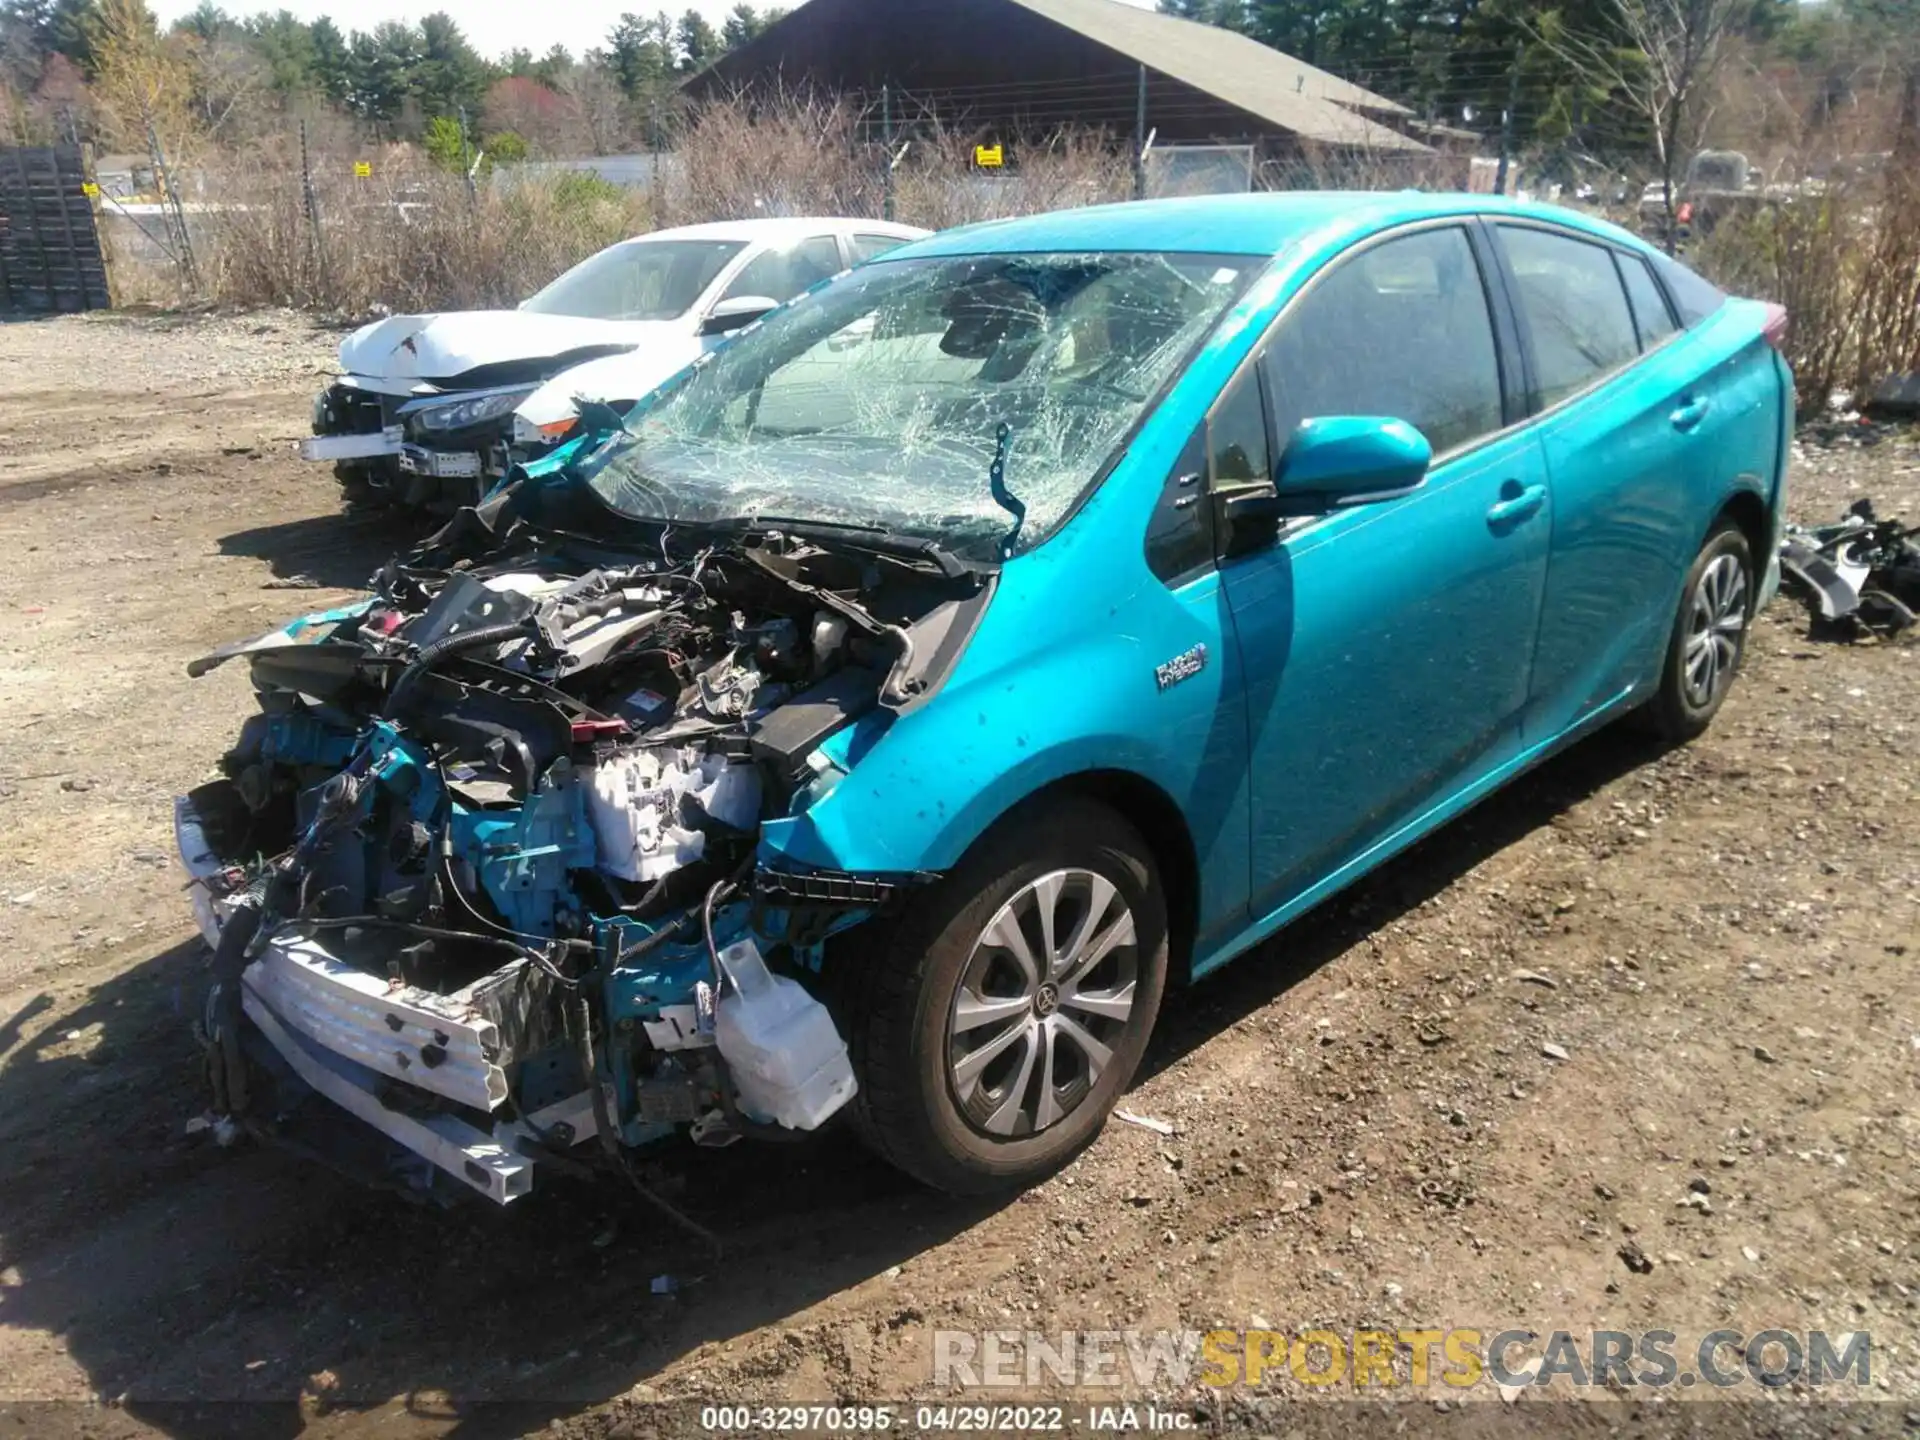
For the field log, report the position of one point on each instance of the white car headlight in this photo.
(459, 414)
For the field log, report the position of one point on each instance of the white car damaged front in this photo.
(422, 415)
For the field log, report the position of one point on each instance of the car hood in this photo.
(616, 379)
(446, 347)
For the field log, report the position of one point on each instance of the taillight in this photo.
(1775, 328)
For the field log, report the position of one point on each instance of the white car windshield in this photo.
(881, 400)
(637, 280)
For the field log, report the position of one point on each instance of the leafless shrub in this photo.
(796, 153)
(408, 237)
(412, 236)
(787, 154)
(936, 184)
(1843, 256)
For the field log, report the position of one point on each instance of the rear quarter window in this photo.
(1694, 297)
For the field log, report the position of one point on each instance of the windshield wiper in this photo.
(871, 537)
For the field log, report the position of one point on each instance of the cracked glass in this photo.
(877, 400)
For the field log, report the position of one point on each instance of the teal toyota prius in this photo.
(876, 720)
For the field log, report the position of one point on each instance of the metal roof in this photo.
(1266, 84)
(1247, 75)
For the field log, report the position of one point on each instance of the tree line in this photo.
(1581, 84)
(105, 70)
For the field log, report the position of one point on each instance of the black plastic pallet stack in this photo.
(50, 256)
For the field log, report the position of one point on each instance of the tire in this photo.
(932, 1100)
(1709, 637)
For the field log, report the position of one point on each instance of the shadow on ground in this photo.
(336, 551)
(1263, 974)
(190, 1279)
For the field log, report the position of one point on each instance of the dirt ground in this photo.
(1720, 942)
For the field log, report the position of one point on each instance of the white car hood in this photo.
(407, 349)
(617, 379)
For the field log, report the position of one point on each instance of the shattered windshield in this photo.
(885, 398)
(636, 280)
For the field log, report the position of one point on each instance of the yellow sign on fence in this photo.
(989, 157)
(363, 169)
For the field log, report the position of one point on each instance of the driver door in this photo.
(1385, 649)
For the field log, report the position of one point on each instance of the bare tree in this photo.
(598, 108)
(1660, 57)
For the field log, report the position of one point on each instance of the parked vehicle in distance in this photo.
(884, 715)
(422, 415)
(1716, 184)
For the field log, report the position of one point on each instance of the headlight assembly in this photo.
(477, 410)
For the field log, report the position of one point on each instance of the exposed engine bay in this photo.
(483, 870)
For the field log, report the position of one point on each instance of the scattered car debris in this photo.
(1145, 1122)
(1897, 397)
(1860, 571)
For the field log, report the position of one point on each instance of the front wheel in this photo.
(1709, 637)
(1003, 1018)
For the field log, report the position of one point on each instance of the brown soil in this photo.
(1721, 939)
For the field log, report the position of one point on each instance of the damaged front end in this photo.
(484, 871)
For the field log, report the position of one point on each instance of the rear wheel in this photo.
(1002, 1019)
(1709, 637)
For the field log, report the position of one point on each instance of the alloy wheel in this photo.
(1716, 620)
(1041, 1003)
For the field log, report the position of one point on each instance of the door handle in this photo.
(1691, 413)
(1517, 507)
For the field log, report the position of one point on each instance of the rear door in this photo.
(1623, 418)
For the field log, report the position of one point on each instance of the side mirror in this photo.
(736, 314)
(1336, 461)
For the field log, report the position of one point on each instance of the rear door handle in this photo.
(1691, 413)
(1517, 507)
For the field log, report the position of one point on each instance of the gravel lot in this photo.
(1719, 943)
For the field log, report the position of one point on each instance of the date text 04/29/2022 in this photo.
(958, 1418)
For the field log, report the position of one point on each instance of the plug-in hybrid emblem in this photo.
(1183, 666)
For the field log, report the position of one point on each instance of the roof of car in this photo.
(784, 228)
(1261, 223)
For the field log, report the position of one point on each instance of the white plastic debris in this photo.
(787, 1060)
(635, 807)
(1145, 1122)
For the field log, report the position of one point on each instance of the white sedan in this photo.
(422, 414)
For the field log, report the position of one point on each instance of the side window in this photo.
(1180, 534)
(1573, 307)
(1696, 298)
(870, 247)
(782, 274)
(1650, 313)
(1237, 437)
(1401, 329)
